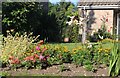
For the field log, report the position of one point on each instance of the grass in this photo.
(74, 45)
(24, 74)
(69, 45)
(5, 73)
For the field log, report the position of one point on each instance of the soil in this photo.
(55, 71)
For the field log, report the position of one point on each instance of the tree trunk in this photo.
(84, 33)
(0, 23)
(82, 13)
(84, 27)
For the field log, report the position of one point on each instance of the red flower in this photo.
(44, 59)
(35, 55)
(106, 20)
(108, 30)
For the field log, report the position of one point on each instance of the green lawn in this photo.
(73, 45)
(69, 45)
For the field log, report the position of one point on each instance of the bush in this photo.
(19, 51)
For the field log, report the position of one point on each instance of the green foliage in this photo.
(73, 33)
(114, 68)
(61, 11)
(90, 55)
(15, 15)
(4, 73)
(28, 17)
(58, 54)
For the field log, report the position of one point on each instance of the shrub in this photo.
(16, 47)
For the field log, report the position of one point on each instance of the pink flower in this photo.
(41, 57)
(37, 48)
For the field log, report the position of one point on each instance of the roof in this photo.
(98, 2)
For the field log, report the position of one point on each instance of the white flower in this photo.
(7, 31)
(101, 37)
(69, 23)
(89, 46)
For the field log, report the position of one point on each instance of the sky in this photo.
(73, 1)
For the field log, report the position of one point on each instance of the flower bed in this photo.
(22, 52)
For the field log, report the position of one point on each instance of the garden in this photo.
(31, 47)
(21, 53)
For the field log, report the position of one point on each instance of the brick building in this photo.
(97, 9)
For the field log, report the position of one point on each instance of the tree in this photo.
(16, 15)
(62, 11)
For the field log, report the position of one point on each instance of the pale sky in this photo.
(73, 1)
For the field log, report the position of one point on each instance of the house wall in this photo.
(95, 21)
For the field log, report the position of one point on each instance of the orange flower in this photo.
(27, 58)
(35, 55)
(31, 57)
(15, 61)
(11, 57)
(44, 49)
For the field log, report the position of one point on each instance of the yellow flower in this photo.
(7, 31)
(12, 30)
(65, 49)
(100, 50)
(107, 50)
